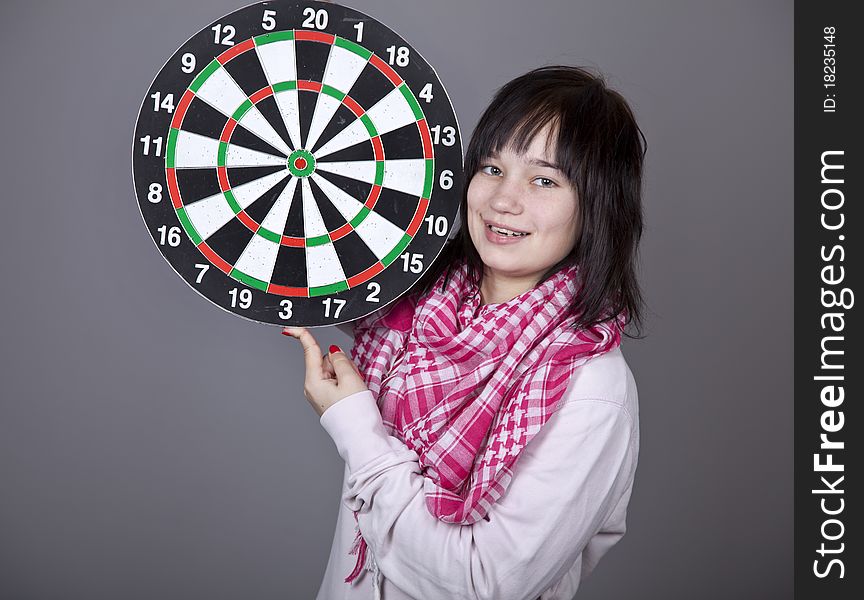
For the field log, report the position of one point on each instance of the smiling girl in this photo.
(488, 420)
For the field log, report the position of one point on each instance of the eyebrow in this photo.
(534, 162)
(542, 163)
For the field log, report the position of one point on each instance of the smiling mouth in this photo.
(507, 232)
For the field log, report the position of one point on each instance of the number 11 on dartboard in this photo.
(298, 163)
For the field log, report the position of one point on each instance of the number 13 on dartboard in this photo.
(298, 163)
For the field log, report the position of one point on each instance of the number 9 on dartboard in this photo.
(298, 163)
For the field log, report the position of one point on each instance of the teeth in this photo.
(506, 231)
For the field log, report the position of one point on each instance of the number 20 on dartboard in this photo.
(298, 163)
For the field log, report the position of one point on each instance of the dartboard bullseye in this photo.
(298, 163)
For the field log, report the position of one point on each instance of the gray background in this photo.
(154, 446)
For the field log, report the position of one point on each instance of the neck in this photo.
(495, 289)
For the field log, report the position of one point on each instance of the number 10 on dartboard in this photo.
(298, 163)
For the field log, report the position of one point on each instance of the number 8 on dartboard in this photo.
(298, 163)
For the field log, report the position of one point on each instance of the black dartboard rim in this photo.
(246, 184)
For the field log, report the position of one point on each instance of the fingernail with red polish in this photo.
(334, 348)
(285, 333)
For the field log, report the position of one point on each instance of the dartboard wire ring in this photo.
(317, 87)
(331, 236)
(359, 112)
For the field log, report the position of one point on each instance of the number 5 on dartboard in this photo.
(298, 161)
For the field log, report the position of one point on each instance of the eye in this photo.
(490, 170)
(544, 182)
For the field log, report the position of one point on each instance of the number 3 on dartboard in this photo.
(287, 309)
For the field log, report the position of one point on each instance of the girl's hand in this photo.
(329, 379)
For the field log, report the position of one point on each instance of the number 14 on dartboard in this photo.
(298, 163)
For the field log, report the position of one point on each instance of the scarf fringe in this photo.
(365, 561)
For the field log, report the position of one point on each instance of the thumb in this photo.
(343, 366)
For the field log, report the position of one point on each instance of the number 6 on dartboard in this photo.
(307, 153)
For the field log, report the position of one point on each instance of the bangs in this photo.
(572, 116)
(519, 134)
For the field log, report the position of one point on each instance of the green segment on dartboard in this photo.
(269, 235)
(360, 216)
(248, 280)
(301, 163)
(203, 75)
(394, 254)
(276, 36)
(232, 201)
(318, 240)
(430, 177)
(349, 45)
(331, 91)
(187, 225)
(169, 148)
(238, 114)
(339, 286)
(412, 101)
(370, 127)
(379, 172)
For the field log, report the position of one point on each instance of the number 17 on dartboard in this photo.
(298, 163)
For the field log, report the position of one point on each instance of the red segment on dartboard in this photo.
(366, 275)
(180, 111)
(214, 258)
(310, 86)
(352, 105)
(386, 69)
(428, 152)
(248, 221)
(232, 52)
(261, 94)
(314, 36)
(228, 130)
(418, 217)
(341, 232)
(284, 290)
(293, 242)
(173, 190)
(373, 196)
(378, 148)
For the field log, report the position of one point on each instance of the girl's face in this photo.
(528, 195)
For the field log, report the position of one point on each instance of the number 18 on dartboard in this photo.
(298, 163)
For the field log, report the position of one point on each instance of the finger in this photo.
(327, 367)
(343, 366)
(311, 351)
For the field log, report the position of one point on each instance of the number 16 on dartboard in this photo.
(298, 163)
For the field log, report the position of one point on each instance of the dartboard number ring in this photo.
(298, 163)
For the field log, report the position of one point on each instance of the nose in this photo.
(508, 197)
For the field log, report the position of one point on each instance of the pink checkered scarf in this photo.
(467, 386)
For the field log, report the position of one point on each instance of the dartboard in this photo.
(298, 163)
